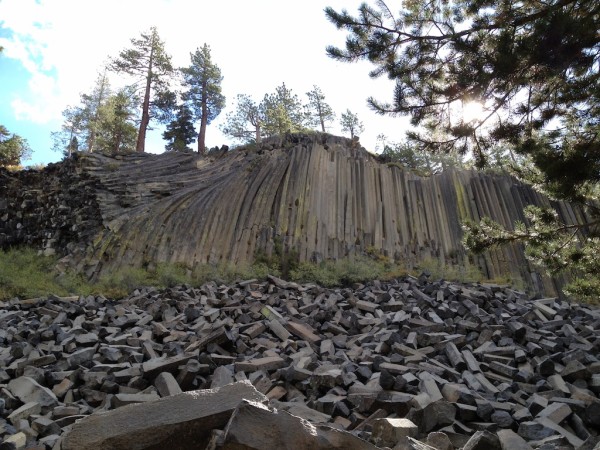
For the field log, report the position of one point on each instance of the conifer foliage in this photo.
(534, 67)
(180, 131)
(204, 97)
(147, 62)
(246, 121)
(319, 111)
(278, 113)
(13, 148)
(101, 122)
(351, 124)
(283, 112)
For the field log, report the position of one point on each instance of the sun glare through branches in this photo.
(472, 111)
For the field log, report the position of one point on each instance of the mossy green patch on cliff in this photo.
(281, 262)
(461, 201)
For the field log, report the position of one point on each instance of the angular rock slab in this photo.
(388, 432)
(28, 390)
(182, 421)
(256, 427)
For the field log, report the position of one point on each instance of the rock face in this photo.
(181, 421)
(280, 365)
(319, 195)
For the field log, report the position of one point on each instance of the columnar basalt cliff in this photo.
(321, 195)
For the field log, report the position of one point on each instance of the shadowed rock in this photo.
(255, 427)
(182, 421)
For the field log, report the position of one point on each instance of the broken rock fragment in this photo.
(254, 426)
(182, 421)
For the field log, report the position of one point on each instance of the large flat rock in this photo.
(256, 427)
(182, 421)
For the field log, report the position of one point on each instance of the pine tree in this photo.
(149, 64)
(102, 122)
(283, 112)
(82, 122)
(203, 80)
(13, 148)
(419, 161)
(73, 146)
(279, 112)
(90, 109)
(533, 68)
(116, 130)
(71, 128)
(180, 131)
(319, 111)
(351, 123)
(246, 122)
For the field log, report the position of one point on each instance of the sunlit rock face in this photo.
(322, 196)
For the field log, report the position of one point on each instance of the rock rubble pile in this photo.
(406, 364)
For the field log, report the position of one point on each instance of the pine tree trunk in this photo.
(92, 140)
(69, 147)
(141, 140)
(117, 143)
(321, 117)
(203, 120)
(258, 136)
(202, 136)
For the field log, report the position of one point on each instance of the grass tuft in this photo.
(26, 274)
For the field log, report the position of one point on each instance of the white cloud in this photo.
(44, 108)
(257, 44)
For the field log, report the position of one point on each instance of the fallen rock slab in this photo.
(256, 427)
(182, 421)
(28, 390)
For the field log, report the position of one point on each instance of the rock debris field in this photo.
(406, 364)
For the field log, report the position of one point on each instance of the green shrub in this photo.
(229, 272)
(342, 272)
(463, 274)
(323, 274)
(282, 261)
(122, 282)
(169, 275)
(26, 274)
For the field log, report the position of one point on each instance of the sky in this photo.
(54, 50)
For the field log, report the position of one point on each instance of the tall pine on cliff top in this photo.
(148, 63)
(246, 121)
(92, 104)
(203, 80)
(319, 111)
(279, 112)
(533, 67)
(351, 123)
(283, 112)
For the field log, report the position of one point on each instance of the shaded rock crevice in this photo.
(55, 210)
